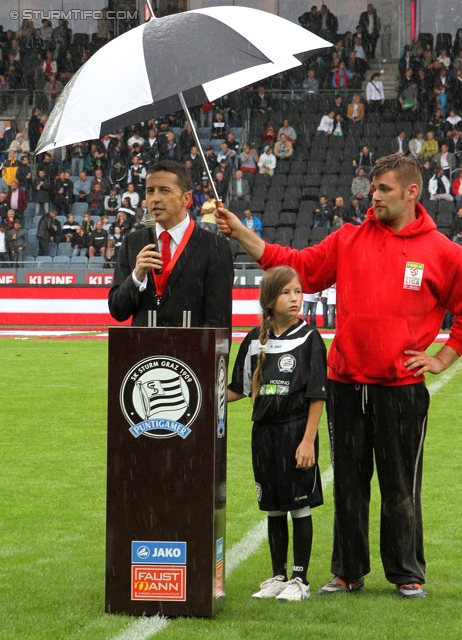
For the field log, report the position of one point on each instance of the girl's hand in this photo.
(304, 456)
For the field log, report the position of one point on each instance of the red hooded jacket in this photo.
(392, 293)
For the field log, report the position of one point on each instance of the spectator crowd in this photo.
(294, 170)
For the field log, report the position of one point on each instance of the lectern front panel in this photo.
(166, 471)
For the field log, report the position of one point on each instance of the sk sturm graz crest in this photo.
(160, 397)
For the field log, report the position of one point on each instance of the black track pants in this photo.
(389, 422)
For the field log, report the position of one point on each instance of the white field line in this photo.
(144, 628)
(444, 377)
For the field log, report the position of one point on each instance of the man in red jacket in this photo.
(396, 275)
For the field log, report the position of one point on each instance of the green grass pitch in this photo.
(52, 518)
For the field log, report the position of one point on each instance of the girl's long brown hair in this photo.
(272, 283)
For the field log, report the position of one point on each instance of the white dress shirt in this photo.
(176, 236)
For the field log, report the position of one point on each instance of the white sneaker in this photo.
(271, 587)
(295, 590)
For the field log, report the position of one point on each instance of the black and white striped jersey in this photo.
(294, 372)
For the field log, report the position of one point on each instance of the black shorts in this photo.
(280, 486)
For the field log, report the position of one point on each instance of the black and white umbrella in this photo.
(183, 59)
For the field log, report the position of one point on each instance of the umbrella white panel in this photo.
(222, 86)
(275, 37)
(108, 98)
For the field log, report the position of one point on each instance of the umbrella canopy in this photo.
(201, 54)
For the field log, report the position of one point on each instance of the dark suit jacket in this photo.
(201, 282)
(394, 147)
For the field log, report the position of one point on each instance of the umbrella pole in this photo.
(199, 148)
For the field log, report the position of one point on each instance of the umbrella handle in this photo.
(199, 148)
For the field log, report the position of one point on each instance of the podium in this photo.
(166, 471)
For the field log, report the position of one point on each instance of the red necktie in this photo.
(165, 237)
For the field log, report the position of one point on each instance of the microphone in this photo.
(150, 224)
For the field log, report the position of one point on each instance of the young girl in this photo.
(282, 365)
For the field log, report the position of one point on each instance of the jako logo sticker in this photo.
(160, 397)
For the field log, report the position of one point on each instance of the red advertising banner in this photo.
(87, 306)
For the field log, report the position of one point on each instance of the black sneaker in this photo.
(339, 585)
(411, 590)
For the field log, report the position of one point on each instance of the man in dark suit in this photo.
(197, 266)
(370, 23)
(399, 144)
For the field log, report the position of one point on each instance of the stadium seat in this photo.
(310, 193)
(257, 204)
(234, 246)
(237, 133)
(299, 244)
(282, 168)
(274, 206)
(287, 219)
(306, 206)
(81, 39)
(260, 193)
(244, 261)
(238, 207)
(314, 167)
(61, 262)
(65, 249)
(303, 234)
(295, 180)
(293, 193)
(312, 180)
(279, 180)
(444, 219)
(61, 219)
(444, 41)
(291, 204)
(303, 154)
(345, 179)
(444, 206)
(204, 132)
(329, 180)
(444, 230)
(298, 167)
(53, 249)
(79, 261)
(177, 132)
(284, 235)
(261, 180)
(96, 263)
(276, 193)
(270, 219)
(79, 208)
(336, 142)
(304, 220)
(268, 234)
(318, 154)
(32, 249)
(216, 145)
(318, 234)
(43, 262)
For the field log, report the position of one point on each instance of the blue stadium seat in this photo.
(79, 261)
(237, 133)
(65, 249)
(61, 262)
(96, 263)
(79, 208)
(43, 262)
